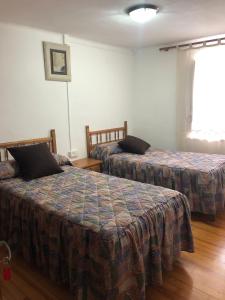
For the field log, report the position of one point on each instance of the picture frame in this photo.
(57, 62)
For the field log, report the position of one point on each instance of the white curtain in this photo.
(185, 76)
(185, 80)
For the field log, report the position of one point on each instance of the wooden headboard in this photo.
(104, 136)
(51, 141)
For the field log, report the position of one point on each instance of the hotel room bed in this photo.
(105, 237)
(201, 177)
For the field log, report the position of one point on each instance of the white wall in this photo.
(154, 114)
(29, 105)
(101, 90)
(109, 85)
(99, 94)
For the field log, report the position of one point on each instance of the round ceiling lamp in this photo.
(142, 13)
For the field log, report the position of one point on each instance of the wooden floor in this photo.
(198, 276)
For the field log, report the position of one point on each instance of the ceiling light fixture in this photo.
(142, 13)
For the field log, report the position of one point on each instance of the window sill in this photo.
(206, 136)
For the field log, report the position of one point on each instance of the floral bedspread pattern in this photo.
(105, 237)
(200, 176)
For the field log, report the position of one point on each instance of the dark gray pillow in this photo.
(35, 161)
(133, 144)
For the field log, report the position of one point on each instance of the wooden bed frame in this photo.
(51, 141)
(104, 136)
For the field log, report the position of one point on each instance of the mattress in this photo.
(200, 176)
(103, 236)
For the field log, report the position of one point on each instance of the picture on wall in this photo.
(57, 62)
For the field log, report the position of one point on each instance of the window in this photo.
(208, 107)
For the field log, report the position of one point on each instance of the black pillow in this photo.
(35, 161)
(133, 144)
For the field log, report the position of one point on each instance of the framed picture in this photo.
(57, 62)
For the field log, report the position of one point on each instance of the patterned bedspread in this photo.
(200, 176)
(105, 237)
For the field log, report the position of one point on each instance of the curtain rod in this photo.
(199, 44)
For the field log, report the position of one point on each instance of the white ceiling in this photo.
(105, 20)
